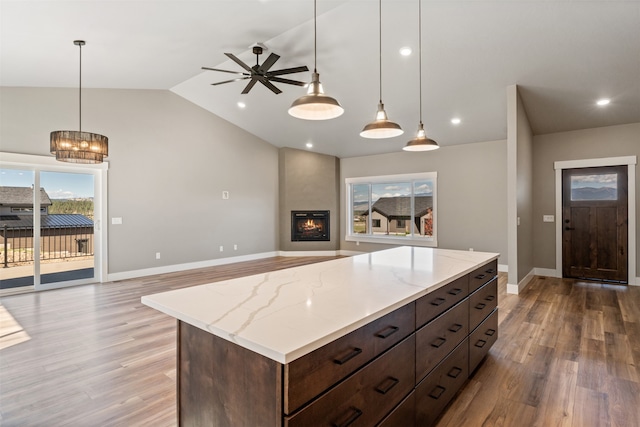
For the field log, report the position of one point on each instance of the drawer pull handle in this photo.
(354, 416)
(490, 332)
(480, 306)
(438, 301)
(453, 373)
(390, 383)
(480, 343)
(455, 291)
(437, 392)
(481, 276)
(490, 298)
(456, 327)
(356, 351)
(387, 332)
(491, 271)
(438, 343)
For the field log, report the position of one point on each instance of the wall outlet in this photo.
(157, 255)
(235, 247)
(225, 195)
(470, 249)
(548, 218)
(221, 248)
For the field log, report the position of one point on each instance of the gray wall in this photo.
(308, 181)
(472, 193)
(613, 141)
(169, 163)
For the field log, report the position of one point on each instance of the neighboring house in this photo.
(392, 215)
(62, 235)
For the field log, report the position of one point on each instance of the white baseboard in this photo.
(188, 266)
(503, 268)
(307, 253)
(516, 289)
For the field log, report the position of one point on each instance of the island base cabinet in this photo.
(440, 386)
(404, 415)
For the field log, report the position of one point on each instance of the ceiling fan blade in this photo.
(229, 81)
(287, 81)
(224, 71)
(240, 63)
(268, 84)
(288, 71)
(268, 63)
(249, 86)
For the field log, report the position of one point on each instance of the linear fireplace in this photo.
(309, 226)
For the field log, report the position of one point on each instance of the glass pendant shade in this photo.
(381, 127)
(421, 142)
(79, 147)
(315, 105)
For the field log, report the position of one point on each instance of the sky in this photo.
(395, 189)
(594, 181)
(58, 185)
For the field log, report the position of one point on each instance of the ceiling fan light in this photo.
(315, 105)
(381, 127)
(421, 142)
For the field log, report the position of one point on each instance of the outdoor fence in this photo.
(16, 244)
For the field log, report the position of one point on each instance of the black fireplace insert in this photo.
(309, 226)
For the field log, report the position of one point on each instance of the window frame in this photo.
(409, 240)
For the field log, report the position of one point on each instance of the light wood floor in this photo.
(95, 356)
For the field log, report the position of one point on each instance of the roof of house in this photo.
(400, 207)
(21, 197)
(46, 221)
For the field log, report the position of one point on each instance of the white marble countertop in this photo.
(288, 313)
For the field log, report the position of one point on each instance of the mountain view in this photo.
(591, 193)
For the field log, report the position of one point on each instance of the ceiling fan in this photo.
(261, 73)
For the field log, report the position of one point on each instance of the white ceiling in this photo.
(564, 55)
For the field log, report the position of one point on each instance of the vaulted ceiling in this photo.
(563, 55)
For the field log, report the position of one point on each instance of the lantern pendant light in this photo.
(77, 146)
(315, 105)
(420, 142)
(381, 127)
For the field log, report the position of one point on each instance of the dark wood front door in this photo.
(594, 223)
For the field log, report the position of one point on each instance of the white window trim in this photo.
(406, 241)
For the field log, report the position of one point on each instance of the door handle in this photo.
(569, 228)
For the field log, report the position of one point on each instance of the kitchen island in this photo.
(352, 341)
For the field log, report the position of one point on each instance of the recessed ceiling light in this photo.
(603, 102)
(405, 51)
(456, 121)
(309, 145)
(241, 104)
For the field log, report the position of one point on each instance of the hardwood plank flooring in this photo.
(567, 355)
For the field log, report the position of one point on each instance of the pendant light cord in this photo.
(380, 44)
(80, 90)
(315, 38)
(420, 50)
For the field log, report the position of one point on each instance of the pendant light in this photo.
(420, 142)
(381, 127)
(77, 146)
(315, 105)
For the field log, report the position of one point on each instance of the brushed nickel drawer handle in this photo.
(456, 327)
(454, 291)
(390, 383)
(437, 392)
(480, 343)
(356, 351)
(490, 332)
(438, 301)
(389, 331)
(354, 416)
(438, 343)
(490, 298)
(481, 276)
(453, 373)
(480, 306)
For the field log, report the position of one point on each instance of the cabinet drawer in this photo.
(310, 375)
(433, 394)
(436, 339)
(482, 302)
(482, 275)
(481, 340)
(403, 415)
(364, 398)
(437, 302)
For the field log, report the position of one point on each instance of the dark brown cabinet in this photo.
(401, 369)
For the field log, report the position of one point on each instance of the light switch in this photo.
(116, 221)
(548, 218)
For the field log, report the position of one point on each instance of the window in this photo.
(594, 187)
(392, 209)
